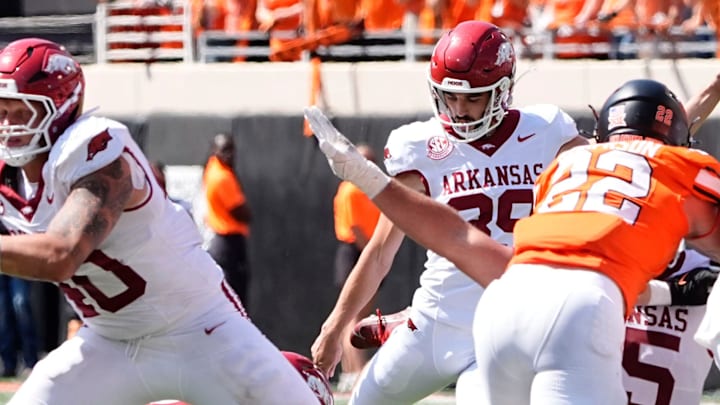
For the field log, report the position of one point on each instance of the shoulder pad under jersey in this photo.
(551, 120)
(88, 145)
(409, 143)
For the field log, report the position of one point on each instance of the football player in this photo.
(607, 218)
(662, 363)
(477, 155)
(85, 212)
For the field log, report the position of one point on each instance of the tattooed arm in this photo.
(92, 209)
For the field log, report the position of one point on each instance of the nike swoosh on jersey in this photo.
(209, 331)
(525, 138)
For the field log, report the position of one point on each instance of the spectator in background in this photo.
(620, 18)
(17, 324)
(228, 215)
(230, 16)
(355, 220)
(208, 15)
(388, 14)
(576, 30)
(703, 13)
(282, 19)
(330, 12)
(445, 14)
(240, 17)
(511, 15)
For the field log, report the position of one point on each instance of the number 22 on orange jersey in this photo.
(599, 180)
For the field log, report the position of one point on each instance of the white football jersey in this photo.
(662, 363)
(490, 183)
(143, 275)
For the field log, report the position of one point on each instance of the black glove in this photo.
(693, 287)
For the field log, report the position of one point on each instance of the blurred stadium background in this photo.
(176, 88)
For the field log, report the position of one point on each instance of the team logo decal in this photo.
(319, 388)
(411, 325)
(504, 53)
(439, 147)
(616, 117)
(98, 144)
(60, 63)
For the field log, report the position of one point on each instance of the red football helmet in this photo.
(313, 376)
(473, 57)
(43, 72)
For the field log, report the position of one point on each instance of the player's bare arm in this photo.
(372, 267)
(474, 239)
(704, 229)
(362, 283)
(94, 205)
(700, 106)
(439, 228)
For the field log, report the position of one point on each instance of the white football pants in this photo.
(226, 360)
(413, 364)
(549, 336)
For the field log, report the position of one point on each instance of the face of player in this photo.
(466, 107)
(14, 113)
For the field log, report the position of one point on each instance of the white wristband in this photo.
(659, 293)
(372, 180)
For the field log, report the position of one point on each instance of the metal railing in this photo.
(133, 37)
(112, 34)
(75, 32)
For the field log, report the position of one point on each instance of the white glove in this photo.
(344, 159)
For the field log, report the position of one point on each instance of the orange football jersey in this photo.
(616, 208)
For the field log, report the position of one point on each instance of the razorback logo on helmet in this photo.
(59, 63)
(616, 117)
(386, 153)
(439, 147)
(98, 144)
(504, 54)
(319, 387)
